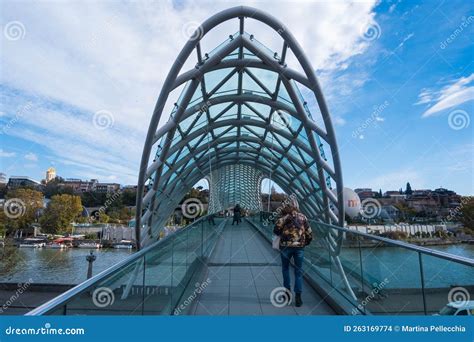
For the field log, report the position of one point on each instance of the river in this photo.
(69, 266)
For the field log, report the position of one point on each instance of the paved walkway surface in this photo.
(243, 271)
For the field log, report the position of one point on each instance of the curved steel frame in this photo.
(294, 157)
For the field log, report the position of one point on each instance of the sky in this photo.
(79, 81)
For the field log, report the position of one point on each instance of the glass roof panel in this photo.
(248, 113)
(267, 77)
(233, 55)
(249, 85)
(186, 123)
(249, 55)
(283, 95)
(213, 78)
(216, 109)
(229, 87)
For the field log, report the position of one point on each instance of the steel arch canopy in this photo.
(241, 116)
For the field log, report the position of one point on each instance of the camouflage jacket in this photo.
(293, 230)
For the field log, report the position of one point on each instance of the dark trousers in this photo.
(297, 254)
(236, 219)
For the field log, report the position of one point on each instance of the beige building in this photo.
(50, 174)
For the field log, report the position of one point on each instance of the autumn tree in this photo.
(21, 208)
(467, 212)
(60, 213)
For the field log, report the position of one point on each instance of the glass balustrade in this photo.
(380, 276)
(375, 275)
(150, 282)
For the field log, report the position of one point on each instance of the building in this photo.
(446, 198)
(106, 187)
(130, 187)
(364, 193)
(3, 178)
(79, 186)
(395, 196)
(50, 174)
(21, 181)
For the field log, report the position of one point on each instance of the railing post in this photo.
(361, 271)
(422, 277)
(172, 276)
(144, 285)
(202, 240)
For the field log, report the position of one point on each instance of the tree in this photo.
(113, 201)
(129, 197)
(406, 212)
(378, 194)
(103, 217)
(408, 190)
(61, 211)
(467, 212)
(21, 209)
(93, 199)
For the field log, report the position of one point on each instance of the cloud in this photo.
(452, 95)
(5, 154)
(339, 121)
(31, 156)
(80, 58)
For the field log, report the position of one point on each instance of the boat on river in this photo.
(93, 245)
(54, 245)
(32, 243)
(124, 244)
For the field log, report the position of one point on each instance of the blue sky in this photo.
(401, 95)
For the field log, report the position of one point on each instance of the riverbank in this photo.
(431, 242)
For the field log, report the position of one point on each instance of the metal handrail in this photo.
(79, 288)
(423, 250)
(403, 244)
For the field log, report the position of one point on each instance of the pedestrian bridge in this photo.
(214, 268)
(239, 113)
